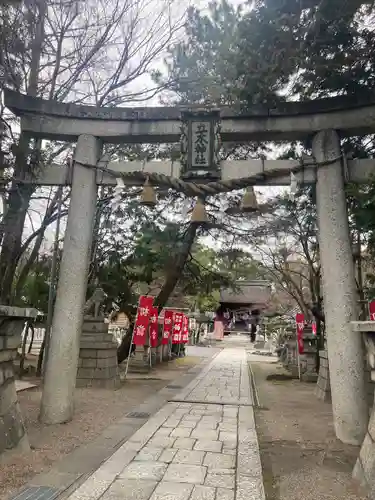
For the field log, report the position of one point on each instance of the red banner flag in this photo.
(185, 330)
(313, 328)
(177, 328)
(142, 320)
(371, 310)
(300, 322)
(154, 327)
(167, 326)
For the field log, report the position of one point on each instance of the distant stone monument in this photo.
(97, 364)
(301, 365)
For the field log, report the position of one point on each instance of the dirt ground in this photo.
(302, 459)
(95, 410)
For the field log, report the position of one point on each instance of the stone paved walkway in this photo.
(225, 381)
(201, 446)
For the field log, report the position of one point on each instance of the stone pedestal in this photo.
(12, 430)
(307, 360)
(364, 470)
(166, 352)
(97, 364)
(323, 386)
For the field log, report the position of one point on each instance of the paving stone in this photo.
(228, 436)
(189, 424)
(161, 442)
(184, 473)
(219, 461)
(184, 443)
(189, 457)
(218, 408)
(172, 491)
(230, 412)
(153, 471)
(163, 431)
(203, 426)
(223, 472)
(219, 479)
(172, 422)
(181, 432)
(231, 445)
(229, 421)
(227, 427)
(197, 412)
(167, 455)
(130, 489)
(180, 412)
(229, 451)
(211, 419)
(208, 445)
(226, 494)
(204, 493)
(148, 454)
(191, 418)
(206, 434)
(213, 413)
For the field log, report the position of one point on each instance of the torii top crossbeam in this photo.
(351, 116)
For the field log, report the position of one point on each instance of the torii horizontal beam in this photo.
(359, 171)
(288, 121)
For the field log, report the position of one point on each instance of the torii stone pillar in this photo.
(61, 370)
(345, 349)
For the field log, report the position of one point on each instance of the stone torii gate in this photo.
(325, 121)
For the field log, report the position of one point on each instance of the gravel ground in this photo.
(95, 410)
(302, 459)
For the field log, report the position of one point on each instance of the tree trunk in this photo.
(14, 221)
(175, 273)
(167, 289)
(20, 195)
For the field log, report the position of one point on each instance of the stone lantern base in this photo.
(97, 365)
(12, 430)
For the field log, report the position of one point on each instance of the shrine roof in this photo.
(247, 292)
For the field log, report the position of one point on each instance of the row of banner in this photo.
(300, 324)
(176, 325)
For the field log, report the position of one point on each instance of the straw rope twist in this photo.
(216, 187)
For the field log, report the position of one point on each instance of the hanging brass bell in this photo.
(148, 196)
(249, 202)
(199, 214)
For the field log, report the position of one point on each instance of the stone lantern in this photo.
(200, 145)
